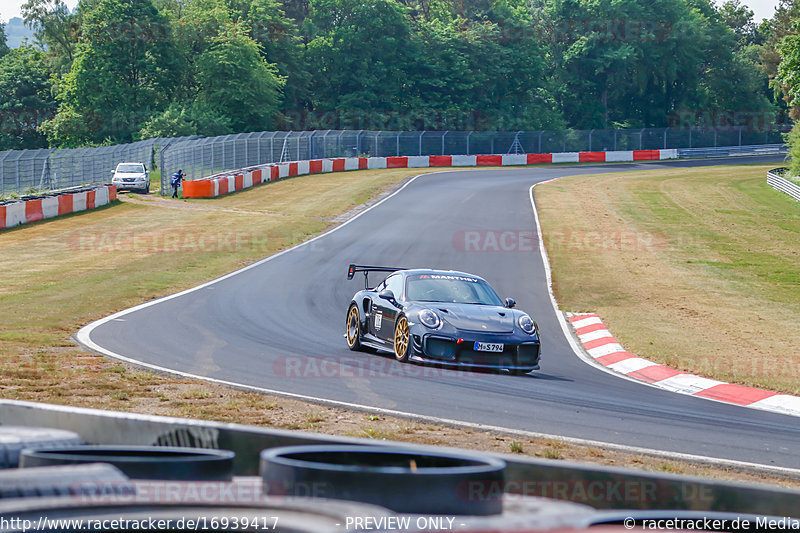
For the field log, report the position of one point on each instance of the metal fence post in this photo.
(420, 141)
(443, 136)
(163, 190)
(3, 174)
(468, 136)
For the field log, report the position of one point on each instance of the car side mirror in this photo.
(510, 303)
(386, 294)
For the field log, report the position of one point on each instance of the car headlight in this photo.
(429, 319)
(527, 324)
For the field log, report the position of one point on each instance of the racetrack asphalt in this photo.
(280, 326)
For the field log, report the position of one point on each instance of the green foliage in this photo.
(773, 32)
(789, 67)
(739, 18)
(25, 98)
(121, 73)
(374, 58)
(54, 27)
(673, 55)
(235, 81)
(125, 69)
(362, 55)
(281, 44)
(3, 40)
(793, 140)
(180, 121)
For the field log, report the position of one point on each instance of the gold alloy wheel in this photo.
(401, 336)
(352, 326)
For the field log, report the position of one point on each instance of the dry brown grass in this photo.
(693, 268)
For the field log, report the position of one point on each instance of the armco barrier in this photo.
(242, 179)
(778, 182)
(29, 210)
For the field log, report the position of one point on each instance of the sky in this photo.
(762, 8)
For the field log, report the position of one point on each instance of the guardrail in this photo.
(732, 151)
(776, 180)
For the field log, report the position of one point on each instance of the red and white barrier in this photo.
(242, 179)
(604, 348)
(26, 211)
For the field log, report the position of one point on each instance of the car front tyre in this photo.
(402, 338)
(353, 331)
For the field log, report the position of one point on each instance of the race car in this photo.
(441, 316)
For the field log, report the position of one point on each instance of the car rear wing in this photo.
(353, 269)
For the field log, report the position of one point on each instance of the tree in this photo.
(25, 99)
(3, 41)
(280, 44)
(646, 62)
(54, 27)
(237, 83)
(793, 140)
(775, 30)
(789, 68)
(226, 85)
(361, 55)
(180, 120)
(123, 73)
(739, 18)
(465, 66)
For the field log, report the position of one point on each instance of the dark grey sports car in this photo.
(441, 316)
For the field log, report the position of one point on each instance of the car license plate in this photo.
(488, 347)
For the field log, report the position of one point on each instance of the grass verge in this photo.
(59, 275)
(709, 256)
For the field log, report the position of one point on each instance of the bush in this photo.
(793, 140)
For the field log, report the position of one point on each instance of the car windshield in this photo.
(130, 167)
(450, 288)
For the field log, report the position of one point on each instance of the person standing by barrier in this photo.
(175, 181)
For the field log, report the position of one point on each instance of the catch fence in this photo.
(29, 171)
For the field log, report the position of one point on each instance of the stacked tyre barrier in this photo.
(35, 208)
(221, 184)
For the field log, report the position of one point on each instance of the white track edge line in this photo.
(83, 336)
